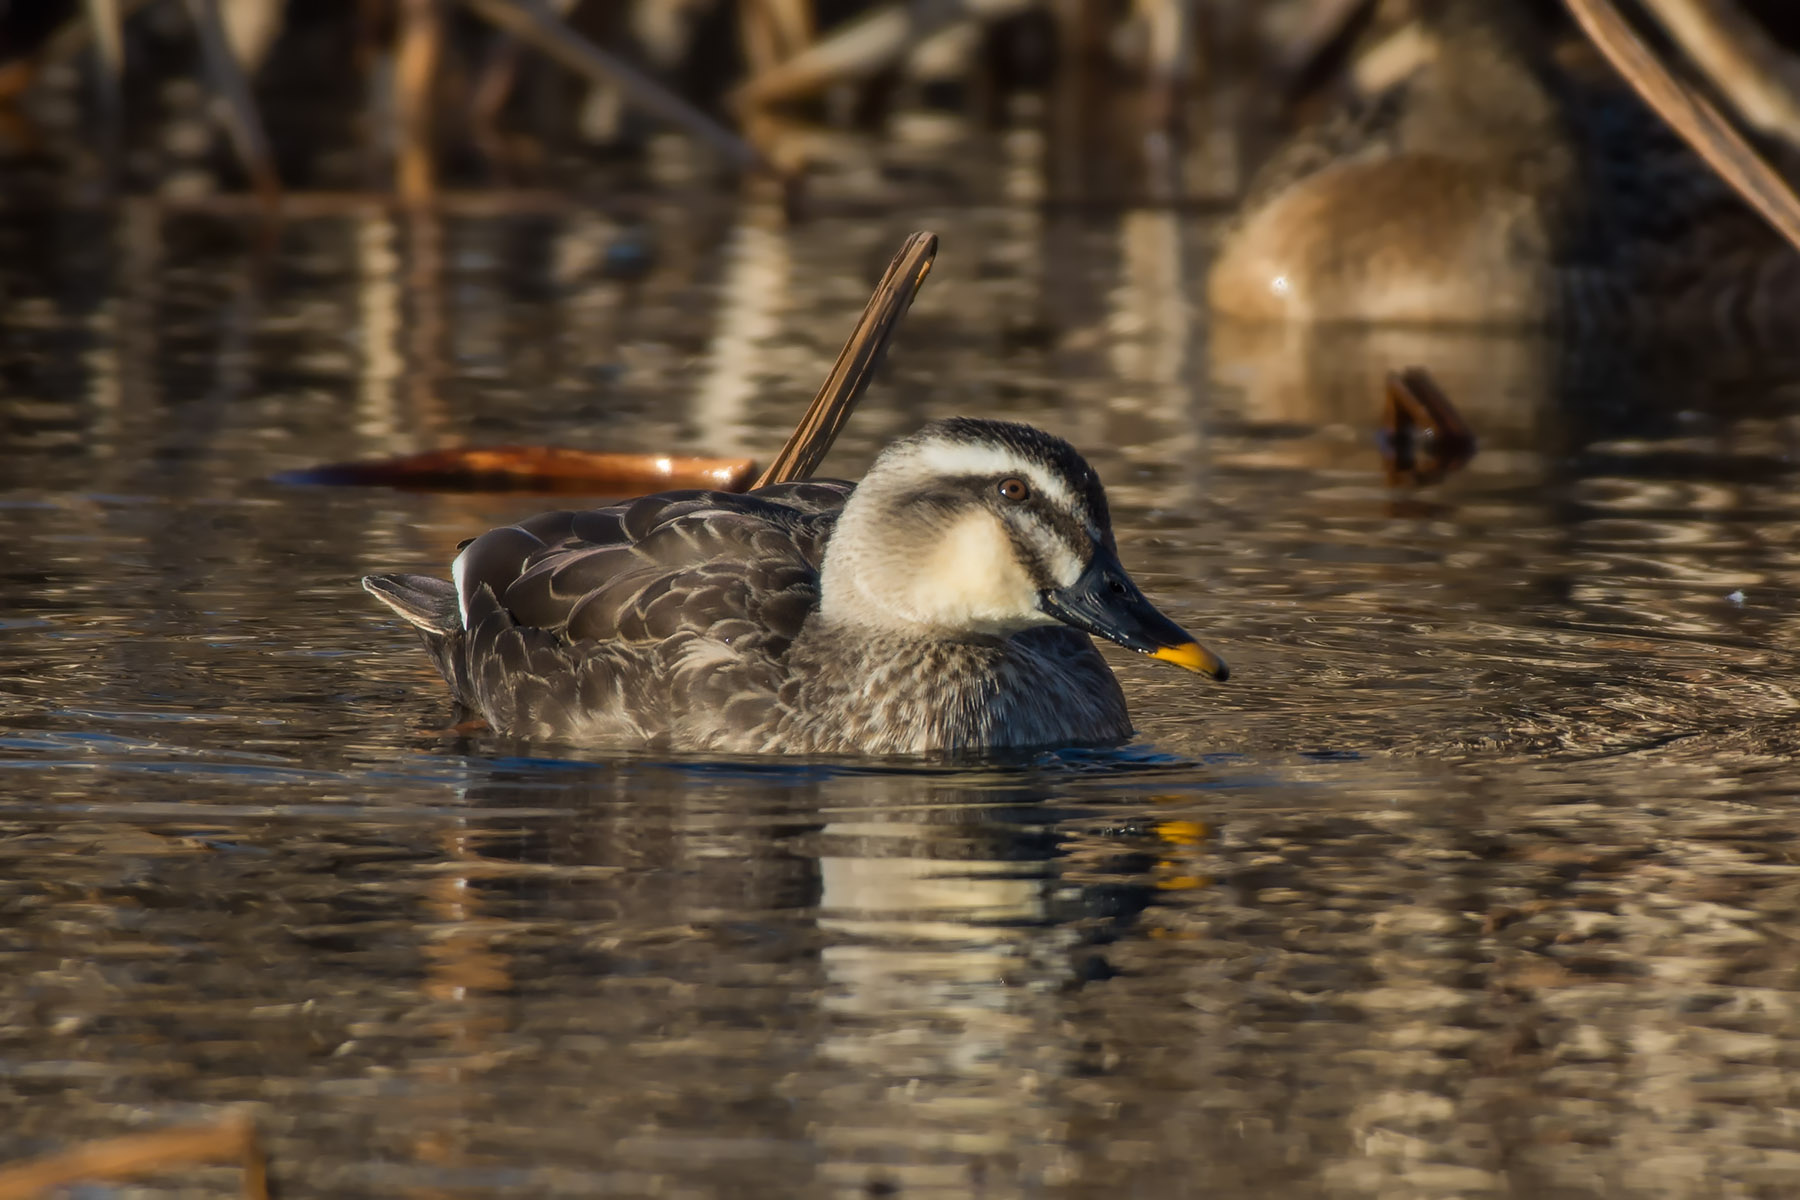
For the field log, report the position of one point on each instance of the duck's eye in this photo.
(1014, 489)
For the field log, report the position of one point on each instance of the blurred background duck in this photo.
(941, 605)
(1505, 179)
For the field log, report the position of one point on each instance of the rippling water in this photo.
(1479, 878)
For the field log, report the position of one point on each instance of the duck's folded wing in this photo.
(630, 622)
(738, 570)
(724, 565)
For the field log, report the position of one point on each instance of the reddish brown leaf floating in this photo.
(535, 469)
(1423, 437)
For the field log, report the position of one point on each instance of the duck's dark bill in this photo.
(1106, 603)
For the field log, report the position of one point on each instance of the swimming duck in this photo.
(941, 605)
(1499, 183)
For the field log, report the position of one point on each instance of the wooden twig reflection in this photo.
(755, 289)
(1149, 339)
(379, 320)
(462, 968)
(424, 290)
(122, 383)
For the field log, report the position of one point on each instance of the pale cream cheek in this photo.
(970, 578)
(1065, 568)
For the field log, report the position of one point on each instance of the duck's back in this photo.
(661, 621)
(1499, 184)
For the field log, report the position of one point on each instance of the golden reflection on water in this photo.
(933, 1003)
(758, 271)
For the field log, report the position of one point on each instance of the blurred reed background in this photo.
(1156, 100)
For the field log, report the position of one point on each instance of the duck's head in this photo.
(974, 526)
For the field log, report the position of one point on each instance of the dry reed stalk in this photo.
(856, 364)
(493, 87)
(60, 46)
(855, 50)
(415, 73)
(794, 24)
(762, 50)
(230, 1139)
(1168, 55)
(773, 32)
(1325, 24)
(533, 23)
(1690, 115)
(231, 88)
(109, 80)
(1758, 77)
(107, 25)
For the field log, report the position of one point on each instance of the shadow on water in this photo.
(1476, 879)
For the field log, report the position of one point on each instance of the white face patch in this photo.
(962, 458)
(972, 580)
(956, 562)
(1064, 563)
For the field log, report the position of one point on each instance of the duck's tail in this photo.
(428, 604)
(430, 607)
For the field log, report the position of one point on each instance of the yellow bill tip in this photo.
(1192, 656)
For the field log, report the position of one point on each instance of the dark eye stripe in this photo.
(1027, 554)
(1027, 538)
(1066, 525)
(946, 496)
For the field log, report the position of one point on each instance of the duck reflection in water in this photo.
(863, 975)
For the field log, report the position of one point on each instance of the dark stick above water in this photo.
(856, 364)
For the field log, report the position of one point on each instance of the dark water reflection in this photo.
(1478, 879)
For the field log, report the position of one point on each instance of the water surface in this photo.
(1477, 879)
